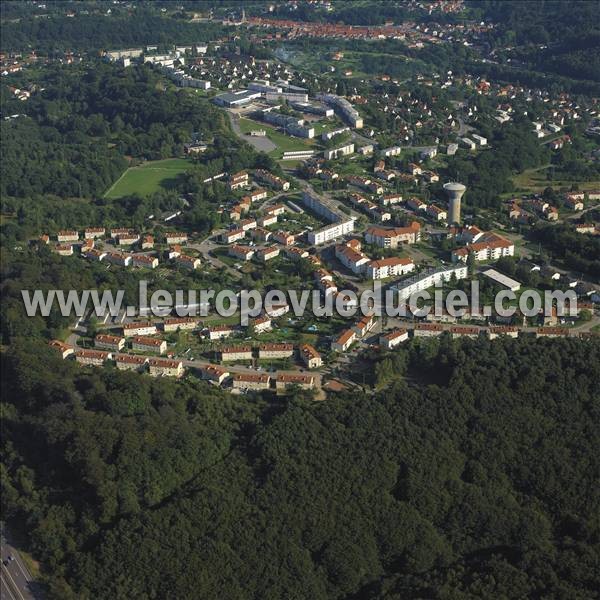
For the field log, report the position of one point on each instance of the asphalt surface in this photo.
(16, 582)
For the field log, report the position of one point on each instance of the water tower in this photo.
(455, 192)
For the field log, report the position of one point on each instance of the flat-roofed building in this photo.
(427, 279)
(502, 279)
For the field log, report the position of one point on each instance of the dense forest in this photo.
(74, 133)
(482, 483)
(122, 29)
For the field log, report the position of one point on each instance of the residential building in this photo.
(265, 254)
(333, 153)
(148, 344)
(427, 329)
(92, 233)
(179, 324)
(490, 246)
(267, 220)
(188, 262)
(145, 328)
(330, 232)
(176, 238)
(241, 252)
(64, 249)
(390, 238)
(261, 324)
(214, 373)
(427, 279)
(437, 213)
(464, 331)
(284, 237)
(95, 358)
(267, 351)
(164, 367)
(352, 259)
(109, 342)
(64, 349)
(389, 267)
(392, 339)
(144, 261)
(130, 362)
(219, 332)
(503, 330)
(310, 357)
(233, 235)
(235, 353)
(115, 258)
(364, 325)
(251, 381)
(286, 380)
(67, 236)
(273, 180)
(238, 180)
(343, 341)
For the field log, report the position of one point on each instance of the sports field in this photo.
(148, 178)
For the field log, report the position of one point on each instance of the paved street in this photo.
(16, 582)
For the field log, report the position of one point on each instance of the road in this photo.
(205, 247)
(16, 582)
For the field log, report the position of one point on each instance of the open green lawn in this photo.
(284, 143)
(534, 180)
(148, 178)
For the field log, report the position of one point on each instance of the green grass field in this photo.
(534, 180)
(284, 143)
(148, 178)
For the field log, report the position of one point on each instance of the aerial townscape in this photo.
(419, 148)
